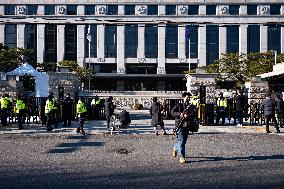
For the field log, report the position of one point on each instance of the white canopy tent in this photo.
(41, 79)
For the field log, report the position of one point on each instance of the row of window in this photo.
(151, 40)
(151, 10)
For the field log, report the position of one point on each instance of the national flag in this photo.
(187, 33)
(89, 37)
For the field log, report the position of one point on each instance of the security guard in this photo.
(221, 106)
(81, 112)
(6, 103)
(95, 104)
(50, 112)
(195, 100)
(20, 110)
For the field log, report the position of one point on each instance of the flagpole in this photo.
(89, 39)
(188, 38)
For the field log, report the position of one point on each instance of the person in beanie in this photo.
(81, 113)
(156, 114)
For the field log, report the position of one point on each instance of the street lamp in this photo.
(89, 37)
(275, 56)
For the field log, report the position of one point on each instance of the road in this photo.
(216, 160)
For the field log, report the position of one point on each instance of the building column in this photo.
(282, 39)
(40, 43)
(120, 10)
(263, 38)
(81, 44)
(141, 42)
(243, 10)
(21, 35)
(2, 33)
(60, 42)
(101, 41)
(121, 50)
(181, 43)
(202, 10)
(40, 9)
(222, 40)
(202, 46)
(80, 10)
(161, 49)
(243, 39)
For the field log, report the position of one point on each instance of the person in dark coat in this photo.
(157, 117)
(241, 104)
(109, 109)
(124, 118)
(268, 106)
(67, 110)
(279, 107)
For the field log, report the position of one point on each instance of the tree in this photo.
(11, 58)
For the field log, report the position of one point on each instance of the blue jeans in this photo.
(182, 136)
(240, 116)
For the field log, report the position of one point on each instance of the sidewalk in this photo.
(140, 124)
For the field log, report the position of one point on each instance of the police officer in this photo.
(95, 104)
(279, 107)
(221, 105)
(81, 113)
(6, 104)
(20, 110)
(157, 117)
(268, 106)
(67, 110)
(182, 134)
(50, 112)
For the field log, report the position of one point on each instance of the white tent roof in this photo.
(24, 69)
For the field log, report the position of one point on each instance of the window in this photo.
(234, 9)
(176, 68)
(170, 10)
(129, 9)
(70, 42)
(274, 38)
(71, 9)
(252, 9)
(253, 38)
(210, 9)
(212, 44)
(10, 9)
(275, 9)
(152, 10)
(141, 68)
(136, 84)
(50, 41)
(131, 41)
(93, 43)
(112, 10)
(171, 41)
(193, 9)
(31, 40)
(110, 41)
(151, 41)
(90, 9)
(11, 35)
(232, 39)
(31, 9)
(49, 9)
(192, 34)
(176, 84)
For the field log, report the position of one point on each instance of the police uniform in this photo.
(20, 110)
(81, 112)
(95, 104)
(50, 112)
(6, 103)
(221, 110)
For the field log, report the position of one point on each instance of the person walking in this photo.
(221, 106)
(96, 105)
(241, 104)
(157, 117)
(6, 104)
(185, 118)
(109, 109)
(82, 115)
(268, 106)
(67, 110)
(20, 111)
(279, 107)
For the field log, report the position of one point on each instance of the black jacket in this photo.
(179, 108)
(279, 105)
(240, 103)
(156, 113)
(67, 106)
(268, 106)
(109, 108)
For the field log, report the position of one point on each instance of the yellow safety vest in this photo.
(195, 101)
(222, 103)
(81, 108)
(50, 105)
(20, 105)
(5, 102)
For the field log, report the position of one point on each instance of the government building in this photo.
(141, 45)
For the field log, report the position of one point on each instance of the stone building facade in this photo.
(141, 45)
